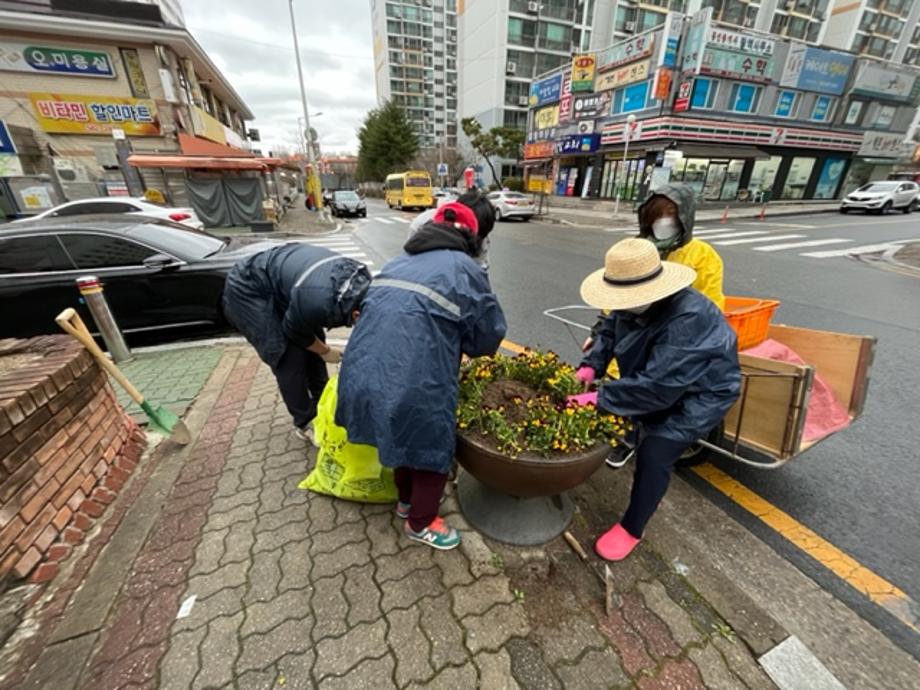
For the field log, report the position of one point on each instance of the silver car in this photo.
(512, 205)
(882, 196)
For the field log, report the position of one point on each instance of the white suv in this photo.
(882, 196)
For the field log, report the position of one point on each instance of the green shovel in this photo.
(161, 419)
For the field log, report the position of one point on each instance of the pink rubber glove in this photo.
(585, 374)
(583, 399)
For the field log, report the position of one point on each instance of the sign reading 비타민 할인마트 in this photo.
(40, 59)
(81, 114)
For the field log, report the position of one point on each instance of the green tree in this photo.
(386, 143)
(504, 142)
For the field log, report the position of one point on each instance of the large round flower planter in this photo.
(520, 500)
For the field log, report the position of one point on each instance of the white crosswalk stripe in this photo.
(753, 240)
(384, 220)
(792, 226)
(852, 251)
(797, 245)
(399, 219)
(711, 233)
(344, 245)
(729, 235)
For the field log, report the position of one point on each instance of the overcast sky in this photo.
(250, 41)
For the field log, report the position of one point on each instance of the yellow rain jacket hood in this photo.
(696, 254)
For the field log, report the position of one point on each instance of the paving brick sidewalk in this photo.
(297, 590)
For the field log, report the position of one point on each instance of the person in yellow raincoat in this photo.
(666, 218)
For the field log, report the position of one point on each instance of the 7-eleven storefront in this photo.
(725, 161)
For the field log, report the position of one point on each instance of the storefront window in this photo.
(763, 174)
(854, 112)
(745, 98)
(797, 179)
(695, 174)
(623, 177)
(732, 178)
(704, 93)
(823, 110)
(830, 178)
(787, 104)
(631, 98)
(715, 177)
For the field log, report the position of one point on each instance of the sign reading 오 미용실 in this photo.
(39, 59)
(78, 114)
(814, 69)
(546, 90)
(591, 107)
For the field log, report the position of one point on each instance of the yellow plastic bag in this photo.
(345, 470)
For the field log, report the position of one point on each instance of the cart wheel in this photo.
(698, 453)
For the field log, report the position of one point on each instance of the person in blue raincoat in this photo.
(282, 300)
(399, 380)
(679, 372)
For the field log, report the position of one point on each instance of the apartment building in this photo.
(736, 114)
(415, 63)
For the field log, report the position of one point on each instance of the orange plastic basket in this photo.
(750, 317)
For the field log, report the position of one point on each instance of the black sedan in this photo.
(161, 279)
(347, 203)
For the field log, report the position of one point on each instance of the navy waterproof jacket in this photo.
(291, 293)
(679, 372)
(398, 383)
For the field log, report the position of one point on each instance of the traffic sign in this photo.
(442, 169)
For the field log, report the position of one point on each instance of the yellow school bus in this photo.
(410, 189)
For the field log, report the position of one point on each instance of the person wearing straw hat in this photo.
(679, 372)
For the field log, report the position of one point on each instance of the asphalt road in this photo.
(859, 489)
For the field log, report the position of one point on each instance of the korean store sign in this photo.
(565, 101)
(814, 69)
(724, 63)
(591, 107)
(627, 51)
(547, 117)
(884, 145)
(77, 114)
(542, 149)
(741, 43)
(546, 90)
(638, 71)
(696, 42)
(886, 82)
(38, 59)
(583, 72)
(579, 143)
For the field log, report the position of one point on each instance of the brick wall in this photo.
(66, 448)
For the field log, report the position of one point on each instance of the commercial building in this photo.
(415, 64)
(736, 114)
(107, 98)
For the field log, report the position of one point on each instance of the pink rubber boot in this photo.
(615, 544)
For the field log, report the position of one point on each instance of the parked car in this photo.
(348, 203)
(137, 206)
(512, 205)
(161, 279)
(444, 196)
(882, 196)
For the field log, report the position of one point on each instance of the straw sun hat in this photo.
(633, 276)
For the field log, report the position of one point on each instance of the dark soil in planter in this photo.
(512, 395)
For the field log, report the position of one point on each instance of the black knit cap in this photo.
(476, 200)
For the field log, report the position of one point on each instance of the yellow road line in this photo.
(513, 347)
(844, 566)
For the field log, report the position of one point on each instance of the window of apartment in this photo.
(631, 98)
(896, 6)
(521, 32)
(516, 93)
(452, 20)
(515, 118)
(744, 98)
(704, 93)
(648, 19)
(787, 104)
(854, 112)
(545, 63)
(883, 117)
(394, 27)
(823, 109)
(889, 26)
(555, 36)
(912, 56)
(523, 62)
(797, 27)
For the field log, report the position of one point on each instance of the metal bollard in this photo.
(91, 290)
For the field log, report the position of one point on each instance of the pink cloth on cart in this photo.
(825, 414)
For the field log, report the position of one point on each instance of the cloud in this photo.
(251, 43)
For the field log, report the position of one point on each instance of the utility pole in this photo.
(312, 186)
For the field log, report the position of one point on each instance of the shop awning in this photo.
(710, 151)
(196, 146)
(156, 160)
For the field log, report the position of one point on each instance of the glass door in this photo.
(715, 177)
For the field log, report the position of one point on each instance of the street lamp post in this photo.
(627, 134)
(312, 187)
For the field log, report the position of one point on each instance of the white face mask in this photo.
(665, 228)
